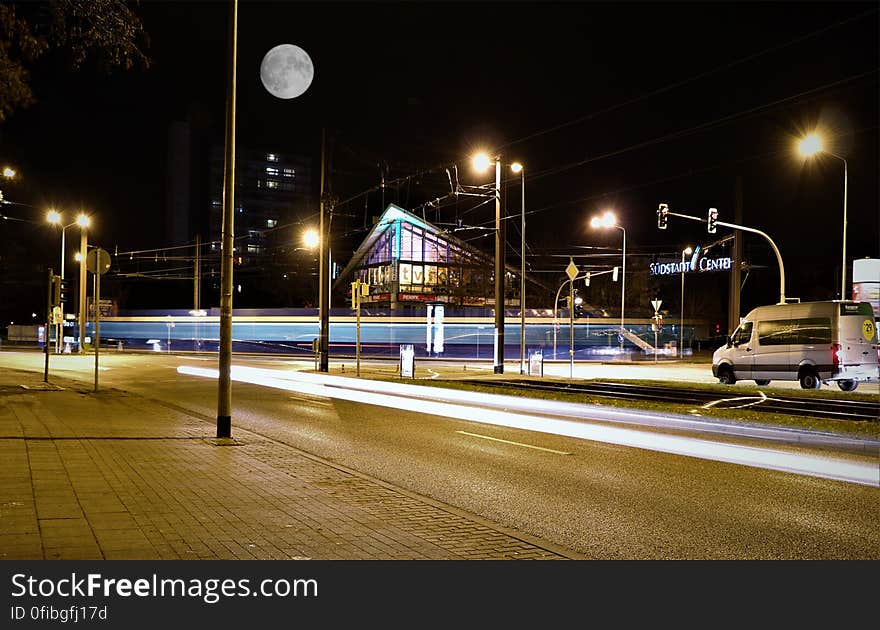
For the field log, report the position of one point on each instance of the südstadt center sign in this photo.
(703, 264)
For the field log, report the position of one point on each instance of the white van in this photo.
(810, 342)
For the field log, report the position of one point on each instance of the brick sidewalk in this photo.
(113, 475)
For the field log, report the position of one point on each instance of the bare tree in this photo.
(106, 32)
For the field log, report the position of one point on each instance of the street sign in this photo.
(571, 271)
(98, 261)
(656, 304)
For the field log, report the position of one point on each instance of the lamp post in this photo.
(810, 146)
(54, 217)
(687, 251)
(481, 163)
(516, 167)
(608, 220)
(83, 221)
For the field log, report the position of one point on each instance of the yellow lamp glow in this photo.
(481, 162)
(53, 216)
(810, 145)
(311, 238)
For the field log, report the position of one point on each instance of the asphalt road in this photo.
(604, 500)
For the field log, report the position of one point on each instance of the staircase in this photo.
(638, 341)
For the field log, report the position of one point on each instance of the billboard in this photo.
(866, 283)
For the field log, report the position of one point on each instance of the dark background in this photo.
(584, 94)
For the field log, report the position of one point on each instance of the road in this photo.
(601, 498)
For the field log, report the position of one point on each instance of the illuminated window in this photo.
(215, 203)
(289, 172)
(271, 170)
(254, 249)
(271, 157)
(270, 223)
(271, 184)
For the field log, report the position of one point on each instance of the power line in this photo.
(692, 79)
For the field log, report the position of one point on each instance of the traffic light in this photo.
(614, 274)
(713, 217)
(56, 290)
(662, 216)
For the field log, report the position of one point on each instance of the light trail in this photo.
(864, 473)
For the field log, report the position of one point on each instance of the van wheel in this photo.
(809, 379)
(847, 385)
(762, 382)
(725, 375)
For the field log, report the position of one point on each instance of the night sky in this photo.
(620, 106)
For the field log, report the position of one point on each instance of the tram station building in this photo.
(408, 262)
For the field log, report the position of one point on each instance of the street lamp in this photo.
(808, 147)
(310, 238)
(54, 217)
(687, 251)
(8, 172)
(481, 162)
(516, 167)
(608, 220)
(83, 222)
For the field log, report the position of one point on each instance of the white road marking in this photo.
(755, 400)
(495, 439)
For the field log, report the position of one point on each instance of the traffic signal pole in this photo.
(743, 228)
(51, 281)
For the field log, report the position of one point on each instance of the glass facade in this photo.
(412, 262)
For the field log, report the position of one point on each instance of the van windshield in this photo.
(742, 334)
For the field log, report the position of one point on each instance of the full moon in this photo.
(286, 71)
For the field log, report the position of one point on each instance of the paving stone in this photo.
(98, 496)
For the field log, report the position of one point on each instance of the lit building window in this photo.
(215, 203)
(271, 184)
(254, 249)
(289, 172)
(271, 157)
(270, 223)
(271, 170)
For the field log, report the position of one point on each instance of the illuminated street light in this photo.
(8, 173)
(53, 217)
(687, 251)
(609, 220)
(83, 221)
(78, 257)
(481, 162)
(311, 238)
(809, 146)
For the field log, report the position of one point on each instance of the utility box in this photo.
(407, 361)
(536, 363)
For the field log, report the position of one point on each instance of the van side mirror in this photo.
(729, 341)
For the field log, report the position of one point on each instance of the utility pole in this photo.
(499, 274)
(323, 273)
(83, 251)
(734, 288)
(224, 390)
(197, 274)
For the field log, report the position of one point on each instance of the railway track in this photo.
(815, 407)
